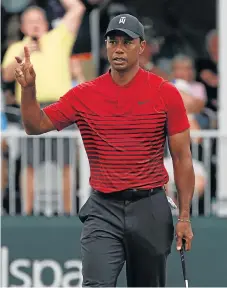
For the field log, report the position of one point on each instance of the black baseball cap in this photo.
(128, 24)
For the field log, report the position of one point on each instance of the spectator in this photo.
(192, 92)
(146, 60)
(12, 154)
(10, 11)
(4, 148)
(183, 71)
(194, 97)
(207, 73)
(207, 70)
(4, 168)
(3, 116)
(77, 71)
(185, 91)
(183, 68)
(50, 54)
(200, 177)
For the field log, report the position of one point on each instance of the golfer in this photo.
(124, 117)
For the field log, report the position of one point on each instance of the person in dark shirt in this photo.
(124, 117)
(207, 72)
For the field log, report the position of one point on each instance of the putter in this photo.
(174, 206)
(183, 264)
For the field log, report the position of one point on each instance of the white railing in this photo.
(50, 185)
(49, 178)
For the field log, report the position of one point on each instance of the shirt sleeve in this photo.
(63, 112)
(62, 36)
(203, 93)
(10, 54)
(177, 120)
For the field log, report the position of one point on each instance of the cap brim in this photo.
(126, 31)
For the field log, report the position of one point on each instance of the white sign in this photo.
(30, 272)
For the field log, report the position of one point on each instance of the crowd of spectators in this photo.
(52, 34)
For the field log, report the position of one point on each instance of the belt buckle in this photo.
(132, 193)
(151, 191)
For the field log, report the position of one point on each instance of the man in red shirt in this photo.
(124, 117)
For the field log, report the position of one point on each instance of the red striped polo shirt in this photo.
(123, 128)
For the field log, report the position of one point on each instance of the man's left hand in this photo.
(184, 231)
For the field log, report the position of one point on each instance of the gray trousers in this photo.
(125, 227)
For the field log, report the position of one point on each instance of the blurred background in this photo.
(45, 179)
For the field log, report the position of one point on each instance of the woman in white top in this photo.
(183, 73)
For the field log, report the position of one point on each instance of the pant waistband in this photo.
(130, 194)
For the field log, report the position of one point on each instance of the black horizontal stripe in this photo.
(128, 146)
(139, 180)
(124, 151)
(123, 163)
(129, 130)
(122, 148)
(153, 159)
(115, 135)
(127, 165)
(128, 157)
(123, 119)
(127, 176)
(132, 115)
(123, 168)
(133, 150)
(123, 143)
(154, 127)
(127, 154)
(122, 125)
(118, 159)
(145, 170)
(121, 151)
(122, 136)
(143, 121)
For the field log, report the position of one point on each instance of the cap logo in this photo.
(122, 20)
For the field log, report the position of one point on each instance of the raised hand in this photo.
(25, 74)
(68, 4)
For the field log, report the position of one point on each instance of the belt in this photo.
(130, 194)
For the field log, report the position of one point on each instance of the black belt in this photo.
(130, 194)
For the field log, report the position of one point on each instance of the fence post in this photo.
(222, 117)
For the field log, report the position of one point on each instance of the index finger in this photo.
(26, 54)
(179, 242)
(188, 244)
